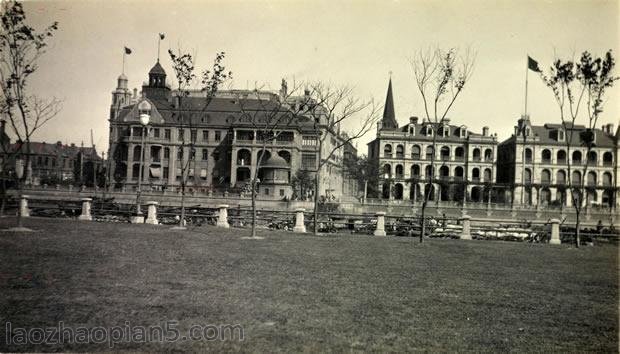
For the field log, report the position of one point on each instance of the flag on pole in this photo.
(533, 65)
(162, 36)
(127, 50)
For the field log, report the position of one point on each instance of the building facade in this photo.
(538, 164)
(214, 143)
(464, 164)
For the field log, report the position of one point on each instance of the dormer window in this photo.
(412, 129)
(527, 131)
(560, 135)
(445, 130)
(429, 130)
(463, 132)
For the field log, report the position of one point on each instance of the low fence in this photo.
(552, 230)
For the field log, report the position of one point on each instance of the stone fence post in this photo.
(299, 220)
(380, 231)
(222, 218)
(151, 214)
(23, 205)
(555, 232)
(86, 210)
(466, 221)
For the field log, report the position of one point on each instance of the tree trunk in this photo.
(423, 229)
(3, 202)
(577, 227)
(253, 191)
(181, 223)
(316, 201)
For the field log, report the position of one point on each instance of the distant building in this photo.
(58, 163)
(464, 167)
(535, 161)
(217, 142)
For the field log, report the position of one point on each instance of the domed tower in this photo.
(275, 183)
(156, 88)
(120, 97)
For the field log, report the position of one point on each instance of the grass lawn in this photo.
(295, 292)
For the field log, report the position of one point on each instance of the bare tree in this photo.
(269, 117)
(579, 89)
(332, 107)
(21, 47)
(211, 80)
(440, 77)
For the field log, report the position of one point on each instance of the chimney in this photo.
(610, 129)
(72, 145)
(283, 89)
(413, 120)
(485, 131)
(59, 143)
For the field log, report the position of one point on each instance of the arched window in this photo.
(476, 154)
(445, 153)
(415, 171)
(545, 176)
(429, 152)
(488, 155)
(560, 177)
(487, 175)
(561, 155)
(546, 156)
(285, 155)
(400, 152)
(576, 178)
(608, 158)
(475, 174)
(244, 157)
(528, 155)
(591, 178)
(387, 171)
(444, 172)
(429, 130)
(429, 171)
(576, 157)
(399, 171)
(527, 176)
(607, 179)
(387, 151)
(459, 154)
(592, 158)
(415, 152)
(458, 172)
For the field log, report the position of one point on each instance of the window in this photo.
(193, 135)
(281, 192)
(476, 154)
(545, 176)
(445, 153)
(167, 134)
(561, 156)
(205, 154)
(415, 152)
(400, 152)
(560, 135)
(136, 131)
(387, 151)
(181, 134)
(166, 153)
(203, 174)
(528, 155)
(488, 155)
(192, 154)
(527, 176)
(608, 159)
(266, 191)
(546, 156)
(309, 141)
(180, 154)
(156, 132)
(308, 161)
(205, 135)
(166, 172)
(429, 152)
(577, 157)
(218, 136)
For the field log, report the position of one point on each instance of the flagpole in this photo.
(158, 44)
(124, 54)
(526, 84)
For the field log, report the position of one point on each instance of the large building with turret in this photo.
(464, 166)
(213, 142)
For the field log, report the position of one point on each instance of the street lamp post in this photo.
(145, 109)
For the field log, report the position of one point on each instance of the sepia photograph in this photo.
(309, 176)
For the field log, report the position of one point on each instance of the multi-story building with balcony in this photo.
(540, 164)
(464, 166)
(217, 141)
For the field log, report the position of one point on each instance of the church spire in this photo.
(389, 118)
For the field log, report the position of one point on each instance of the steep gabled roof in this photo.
(389, 117)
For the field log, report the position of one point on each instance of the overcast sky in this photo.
(342, 42)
